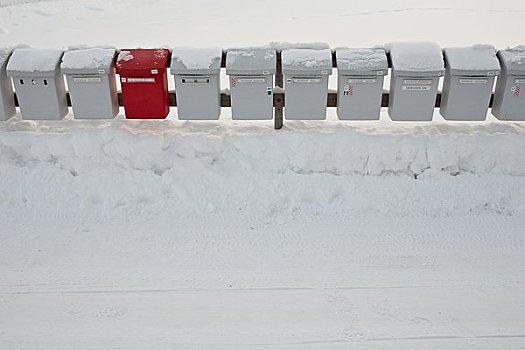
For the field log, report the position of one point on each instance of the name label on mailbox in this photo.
(473, 81)
(418, 82)
(362, 81)
(519, 81)
(138, 80)
(416, 88)
(87, 80)
(304, 80)
(251, 80)
(193, 80)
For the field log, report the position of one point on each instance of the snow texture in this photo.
(34, 61)
(307, 59)
(280, 46)
(191, 59)
(477, 58)
(416, 57)
(125, 56)
(361, 60)
(513, 59)
(92, 58)
(251, 60)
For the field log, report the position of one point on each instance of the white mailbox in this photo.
(7, 98)
(306, 73)
(416, 69)
(509, 98)
(90, 75)
(251, 74)
(469, 79)
(197, 82)
(360, 83)
(39, 83)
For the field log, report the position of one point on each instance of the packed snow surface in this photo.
(307, 59)
(34, 60)
(251, 60)
(474, 58)
(513, 58)
(195, 58)
(361, 60)
(91, 58)
(416, 57)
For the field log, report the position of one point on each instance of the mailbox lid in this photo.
(139, 62)
(362, 62)
(88, 61)
(416, 59)
(251, 61)
(307, 62)
(513, 60)
(478, 60)
(196, 61)
(34, 63)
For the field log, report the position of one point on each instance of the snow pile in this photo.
(416, 57)
(91, 58)
(189, 59)
(361, 60)
(250, 61)
(307, 59)
(474, 58)
(280, 46)
(34, 60)
(127, 171)
(513, 59)
(125, 56)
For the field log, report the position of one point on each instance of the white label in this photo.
(324, 72)
(87, 80)
(380, 72)
(416, 88)
(306, 80)
(101, 71)
(491, 74)
(154, 71)
(418, 82)
(140, 80)
(519, 81)
(266, 72)
(362, 81)
(193, 80)
(473, 81)
(123, 80)
(251, 80)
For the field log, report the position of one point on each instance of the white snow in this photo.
(125, 56)
(416, 57)
(196, 58)
(251, 59)
(474, 58)
(514, 58)
(280, 46)
(91, 58)
(34, 60)
(4, 54)
(307, 59)
(361, 59)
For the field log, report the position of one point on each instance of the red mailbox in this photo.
(144, 83)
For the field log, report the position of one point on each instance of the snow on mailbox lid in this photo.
(196, 60)
(34, 62)
(251, 61)
(472, 60)
(88, 61)
(513, 60)
(142, 61)
(307, 61)
(418, 59)
(362, 61)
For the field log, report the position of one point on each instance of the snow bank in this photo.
(92, 58)
(34, 60)
(125, 170)
(416, 57)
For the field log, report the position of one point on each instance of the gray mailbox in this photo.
(416, 68)
(469, 79)
(90, 75)
(306, 73)
(7, 99)
(509, 100)
(197, 82)
(39, 83)
(360, 83)
(251, 82)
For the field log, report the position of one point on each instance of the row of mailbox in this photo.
(416, 69)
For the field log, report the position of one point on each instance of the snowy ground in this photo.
(230, 235)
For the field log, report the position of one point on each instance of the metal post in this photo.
(278, 100)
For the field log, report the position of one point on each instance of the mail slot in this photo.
(360, 83)
(306, 74)
(90, 75)
(251, 74)
(144, 82)
(7, 99)
(469, 79)
(509, 98)
(197, 82)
